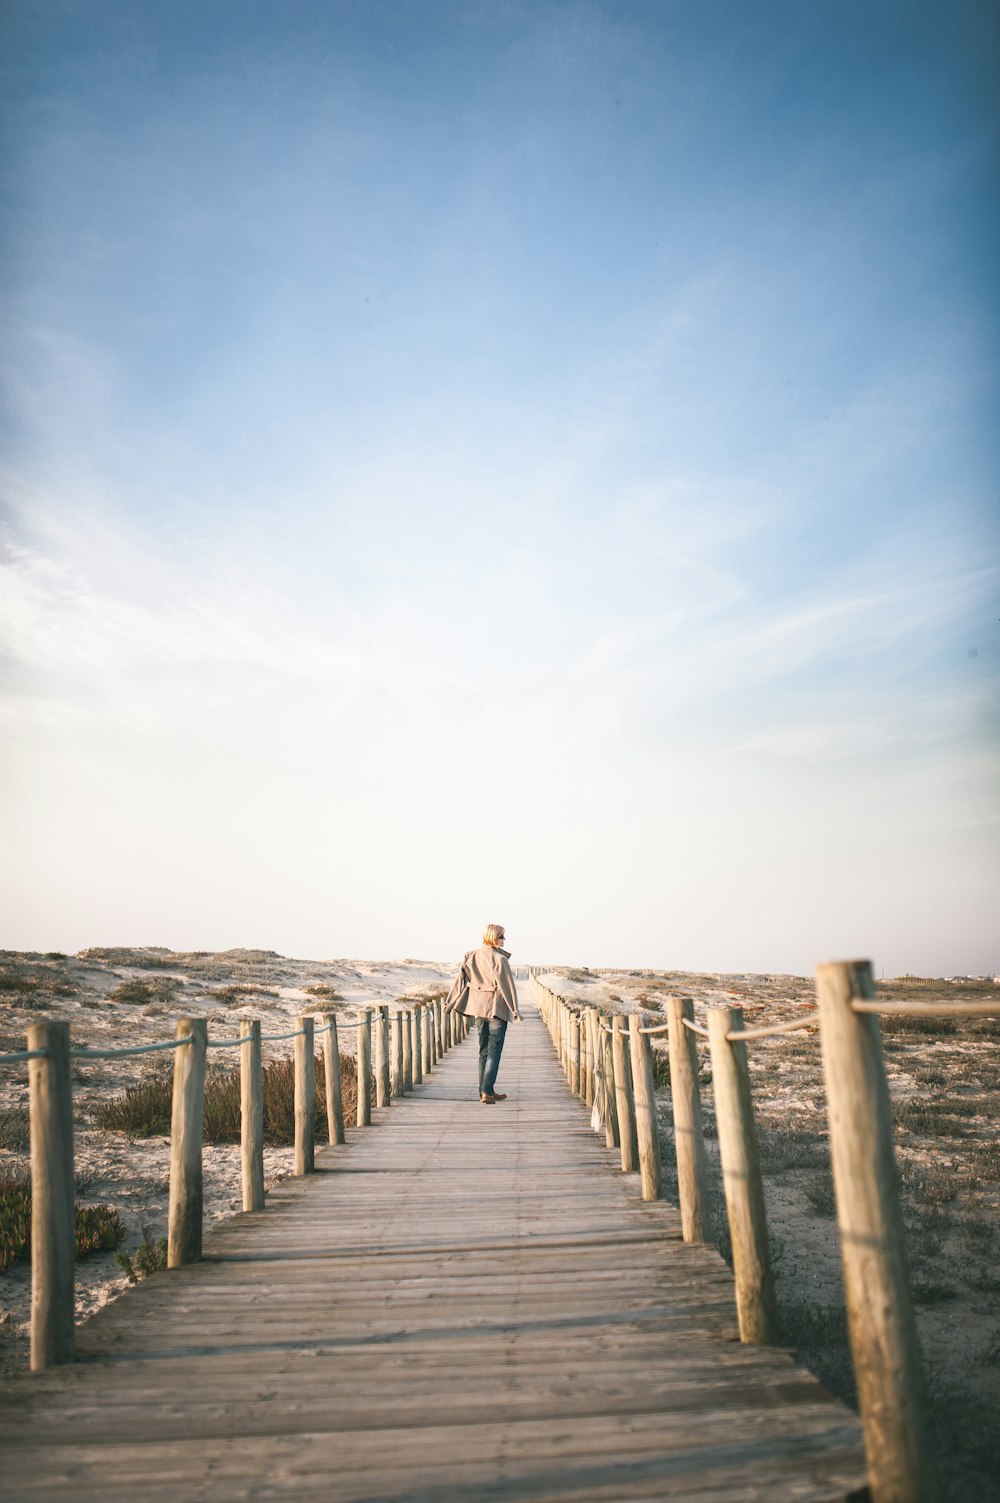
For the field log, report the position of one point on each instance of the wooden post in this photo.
(406, 1028)
(251, 1115)
(588, 1055)
(880, 1319)
(381, 1058)
(644, 1096)
(334, 1095)
(364, 1060)
(305, 1098)
(416, 1022)
(396, 1053)
(438, 1027)
(611, 1127)
(624, 1100)
(425, 1026)
(53, 1226)
(184, 1205)
(689, 1139)
(574, 1053)
(755, 1303)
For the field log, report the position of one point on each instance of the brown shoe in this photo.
(499, 1096)
(488, 1100)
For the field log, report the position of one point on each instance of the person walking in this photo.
(484, 989)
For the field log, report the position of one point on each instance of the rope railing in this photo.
(607, 1059)
(928, 1009)
(408, 1042)
(130, 1049)
(771, 1030)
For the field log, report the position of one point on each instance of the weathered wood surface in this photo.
(461, 1303)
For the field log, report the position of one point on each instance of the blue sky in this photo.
(532, 463)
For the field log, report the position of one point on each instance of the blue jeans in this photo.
(491, 1036)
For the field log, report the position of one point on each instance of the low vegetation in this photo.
(137, 992)
(150, 1255)
(143, 1110)
(98, 1228)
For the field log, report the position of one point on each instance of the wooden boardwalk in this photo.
(464, 1302)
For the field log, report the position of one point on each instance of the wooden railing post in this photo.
(305, 1098)
(406, 1028)
(624, 1102)
(364, 1058)
(386, 1055)
(251, 1115)
(611, 1125)
(755, 1303)
(381, 1058)
(689, 1139)
(396, 1053)
(416, 1022)
(439, 1027)
(644, 1096)
(53, 1229)
(588, 1058)
(880, 1317)
(574, 1053)
(427, 1062)
(184, 1208)
(334, 1094)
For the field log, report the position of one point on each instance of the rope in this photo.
(135, 1049)
(928, 1010)
(13, 1059)
(771, 1029)
(274, 1038)
(662, 1028)
(695, 1027)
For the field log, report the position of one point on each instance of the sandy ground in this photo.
(944, 1084)
(132, 1174)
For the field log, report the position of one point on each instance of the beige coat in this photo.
(484, 987)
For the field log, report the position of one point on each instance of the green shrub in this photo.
(98, 1228)
(15, 1218)
(143, 1111)
(150, 1255)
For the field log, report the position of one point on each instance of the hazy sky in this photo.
(496, 461)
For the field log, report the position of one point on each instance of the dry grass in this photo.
(14, 1129)
(143, 1110)
(137, 992)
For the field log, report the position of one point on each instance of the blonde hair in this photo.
(493, 934)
